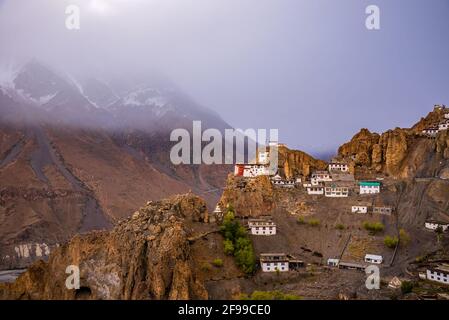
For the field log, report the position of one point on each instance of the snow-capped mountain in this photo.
(39, 84)
(144, 104)
(87, 151)
(145, 98)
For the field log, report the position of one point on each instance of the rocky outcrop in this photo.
(293, 163)
(382, 153)
(442, 144)
(399, 153)
(249, 197)
(394, 144)
(146, 256)
(255, 197)
(361, 148)
(432, 118)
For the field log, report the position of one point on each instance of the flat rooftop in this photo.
(444, 268)
(369, 183)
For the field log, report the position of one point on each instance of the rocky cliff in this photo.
(382, 153)
(432, 118)
(442, 144)
(399, 153)
(249, 197)
(255, 197)
(146, 256)
(293, 163)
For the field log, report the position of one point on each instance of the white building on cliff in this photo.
(431, 132)
(337, 189)
(251, 170)
(444, 125)
(434, 225)
(262, 227)
(320, 176)
(369, 187)
(372, 258)
(274, 262)
(338, 166)
(315, 190)
(439, 274)
(361, 207)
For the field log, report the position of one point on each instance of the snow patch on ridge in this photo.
(146, 97)
(80, 89)
(37, 101)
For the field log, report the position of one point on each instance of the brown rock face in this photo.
(400, 153)
(442, 144)
(249, 197)
(144, 257)
(432, 118)
(293, 163)
(362, 148)
(376, 155)
(383, 153)
(394, 145)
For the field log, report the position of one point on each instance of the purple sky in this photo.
(309, 68)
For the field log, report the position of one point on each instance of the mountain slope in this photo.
(71, 163)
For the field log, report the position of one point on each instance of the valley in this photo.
(60, 177)
(70, 183)
(313, 229)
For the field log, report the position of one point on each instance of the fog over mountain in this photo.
(77, 153)
(104, 172)
(139, 102)
(308, 68)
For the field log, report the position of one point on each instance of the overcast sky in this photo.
(307, 67)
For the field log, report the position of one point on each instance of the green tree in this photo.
(237, 242)
(391, 242)
(228, 247)
(240, 231)
(205, 266)
(373, 227)
(246, 259)
(314, 222)
(229, 226)
(242, 243)
(218, 262)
